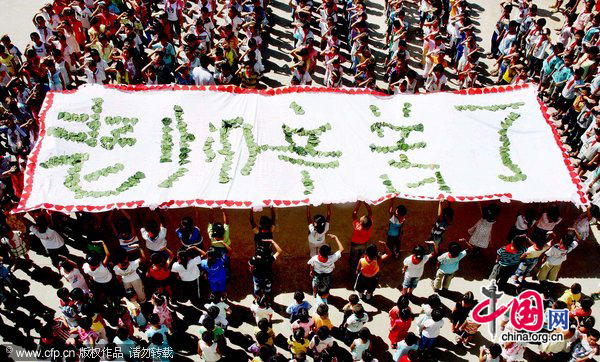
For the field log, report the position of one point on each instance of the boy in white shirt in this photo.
(430, 329)
(414, 265)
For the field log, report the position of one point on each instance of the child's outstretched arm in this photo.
(387, 253)
(328, 215)
(225, 217)
(391, 210)
(252, 223)
(355, 211)
(369, 211)
(308, 215)
(273, 223)
(278, 250)
(337, 240)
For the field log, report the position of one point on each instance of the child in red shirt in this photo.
(361, 233)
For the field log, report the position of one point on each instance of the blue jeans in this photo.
(426, 343)
(410, 283)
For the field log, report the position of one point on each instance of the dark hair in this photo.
(353, 298)
(371, 252)
(568, 239)
(588, 322)
(367, 223)
(153, 318)
(586, 303)
(323, 332)
(93, 259)
(364, 333)
(68, 267)
(263, 324)
(495, 350)
(418, 251)
(298, 334)
(434, 301)
(594, 333)
(490, 212)
(156, 258)
(85, 323)
(553, 212)
(208, 323)
(218, 230)
(298, 296)
(265, 222)
(320, 222)
(77, 294)
(322, 309)
(157, 338)
(63, 293)
(437, 314)
(402, 302)
(325, 250)
(262, 337)
(411, 338)
(401, 210)
(454, 249)
(576, 288)
(405, 314)
(207, 336)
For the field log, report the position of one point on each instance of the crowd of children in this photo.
(133, 293)
(129, 295)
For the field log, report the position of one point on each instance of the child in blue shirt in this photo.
(395, 231)
(294, 308)
(214, 266)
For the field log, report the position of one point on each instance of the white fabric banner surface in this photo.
(102, 148)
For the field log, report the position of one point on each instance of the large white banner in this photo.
(102, 148)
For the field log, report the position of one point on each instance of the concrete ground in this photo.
(39, 284)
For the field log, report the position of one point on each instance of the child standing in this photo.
(361, 344)
(293, 309)
(447, 266)
(321, 318)
(554, 257)
(395, 230)
(410, 343)
(70, 271)
(126, 272)
(530, 257)
(355, 322)
(323, 264)
(361, 233)
(444, 219)
(321, 341)
(297, 343)
(134, 308)
(481, 232)
(160, 307)
(414, 265)
(265, 228)
(399, 327)
(430, 329)
(317, 228)
(304, 322)
(507, 260)
(215, 268)
(571, 296)
(522, 225)
(546, 222)
(368, 271)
